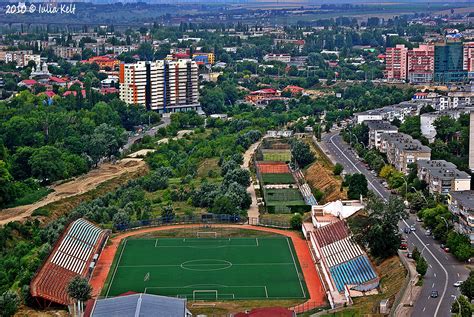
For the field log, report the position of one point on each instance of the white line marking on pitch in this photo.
(296, 268)
(266, 292)
(115, 271)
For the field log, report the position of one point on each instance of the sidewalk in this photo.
(411, 292)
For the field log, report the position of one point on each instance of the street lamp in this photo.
(446, 222)
(459, 304)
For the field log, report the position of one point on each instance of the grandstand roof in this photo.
(140, 305)
(70, 257)
(331, 233)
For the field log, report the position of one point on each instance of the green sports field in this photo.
(283, 178)
(276, 155)
(208, 268)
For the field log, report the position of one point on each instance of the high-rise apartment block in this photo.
(396, 59)
(468, 58)
(449, 61)
(421, 64)
(163, 86)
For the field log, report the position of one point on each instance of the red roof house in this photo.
(74, 93)
(295, 90)
(27, 82)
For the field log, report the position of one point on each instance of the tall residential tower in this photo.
(163, 86)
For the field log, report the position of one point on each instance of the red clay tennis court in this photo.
(273, 168)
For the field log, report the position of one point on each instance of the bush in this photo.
(296, 222)
(421, 266)
(338, 168)
(41, 212)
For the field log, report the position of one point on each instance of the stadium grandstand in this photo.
(343, 264)
(75, 253)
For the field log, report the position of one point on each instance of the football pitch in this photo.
(208, 268)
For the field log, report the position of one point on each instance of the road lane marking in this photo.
(431, 266)
(435, 275)
(432, 286)
(424, 308)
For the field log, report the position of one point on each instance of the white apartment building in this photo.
(285, 58)
(163, 86)
(20, 57)
(376, 129)
(443, 177)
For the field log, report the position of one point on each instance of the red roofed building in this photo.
(110, 90)
(74, 254)
(265, 93)
(295, 90)
(103, 61)
(48, 93)
(267, 312)
(53, 80)
(27, 83)
(74, 93)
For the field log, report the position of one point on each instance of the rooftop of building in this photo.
(381, 125)
(464, 198)
(405, 142)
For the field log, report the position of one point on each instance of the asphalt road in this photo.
(443, 271)
(165, 121)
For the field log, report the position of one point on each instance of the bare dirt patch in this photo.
(320, 177)
(74, 187)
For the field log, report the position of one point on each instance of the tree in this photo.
(121, 220)
(239, 176)
(445, 127)
(357, 184)
(9, 302)
(466, 310)
(296, 221)
(467, 287)
(416, 254)
(301, 153)
(47, 164)
(421, 266)
(212, 100)
(338, 168)
(80, 290)
(167, 214)
(379, 230)
(105, 142)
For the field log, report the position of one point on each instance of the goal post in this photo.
(212, 292)
(206, 234)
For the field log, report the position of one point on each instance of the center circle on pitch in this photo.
(206, 265)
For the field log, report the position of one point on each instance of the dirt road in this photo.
(252, 212)
(74, 187)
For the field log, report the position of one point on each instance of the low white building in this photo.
(285, 58)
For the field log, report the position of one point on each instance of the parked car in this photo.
(428, 232)
(457, 284)
(446, 249)
(418, 219)
(409, 255)
(403, 245)
(406, 230)
(434, 294)
(412, 228)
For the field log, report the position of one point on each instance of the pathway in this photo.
(252, 212)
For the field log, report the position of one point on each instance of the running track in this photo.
(313, 283)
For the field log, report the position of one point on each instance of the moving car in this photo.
(434, 294)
